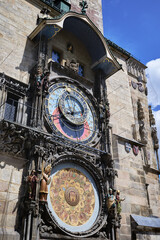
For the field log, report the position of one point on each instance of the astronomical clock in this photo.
(75, 192)
(70, 113)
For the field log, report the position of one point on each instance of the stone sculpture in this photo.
(32, 180)
(111, 200)
(118, 202)
(45, 180)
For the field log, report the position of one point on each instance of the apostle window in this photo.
(81, 70)
(56, 56)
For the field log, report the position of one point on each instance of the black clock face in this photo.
(70, 112)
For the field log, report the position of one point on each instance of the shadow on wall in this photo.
(13, 172)
(29, 60)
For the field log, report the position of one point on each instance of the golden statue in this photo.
(45, 180)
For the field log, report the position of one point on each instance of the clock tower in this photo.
(69, 106)
(75, 128)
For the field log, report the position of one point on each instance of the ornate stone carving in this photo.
(84, 6)
(151, 117)
(140, 110)
(140, 87)
(155, 138)
(111, 200)
(42, 80)
(32, 180)
(118, 202)
(13, 138)
(134, 85)
(72, 64)
(143, 132)
(16, 86)
(142, 128)
(44, 182)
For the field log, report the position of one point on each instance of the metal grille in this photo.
(10, 110)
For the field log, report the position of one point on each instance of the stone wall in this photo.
(94, 11)
(11, 170)
(18, 57)
(139, 185)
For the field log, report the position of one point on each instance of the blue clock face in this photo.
(74, 107)
(70, 112)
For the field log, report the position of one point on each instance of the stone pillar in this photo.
(24, 114)
(28, 226)
(19, 116)
(3, 104)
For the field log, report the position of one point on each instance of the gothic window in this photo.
(11, 107)
(56, 56)
(81, 70)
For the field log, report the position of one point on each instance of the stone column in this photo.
(28, 225)
(19, 116)
(24, 114)
(3, 105)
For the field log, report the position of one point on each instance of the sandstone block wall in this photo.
(18, 19)
(140, 188)
(11, 170)
(94, 11)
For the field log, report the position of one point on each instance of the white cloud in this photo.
(153, 77)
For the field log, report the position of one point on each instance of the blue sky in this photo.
(135, 26)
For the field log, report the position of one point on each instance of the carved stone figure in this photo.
(32, 180)
(143, 133)
(155, 138)
(45, 180)
(70, 47)
(111, 200)
(151, 117)
(45, 82)
(118, 202)
(39, 76)
(84, 6)
(72, 64)
(140, 110)
(142, 128)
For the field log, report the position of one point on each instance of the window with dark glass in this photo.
(56, 56)
(81, 70)
(11, 107)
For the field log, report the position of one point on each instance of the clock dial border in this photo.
(88, 130)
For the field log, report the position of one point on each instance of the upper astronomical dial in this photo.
(70, 112)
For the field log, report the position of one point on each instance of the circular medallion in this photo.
(70, 113)
(73, 197)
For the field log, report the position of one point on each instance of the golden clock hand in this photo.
(70, 101)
